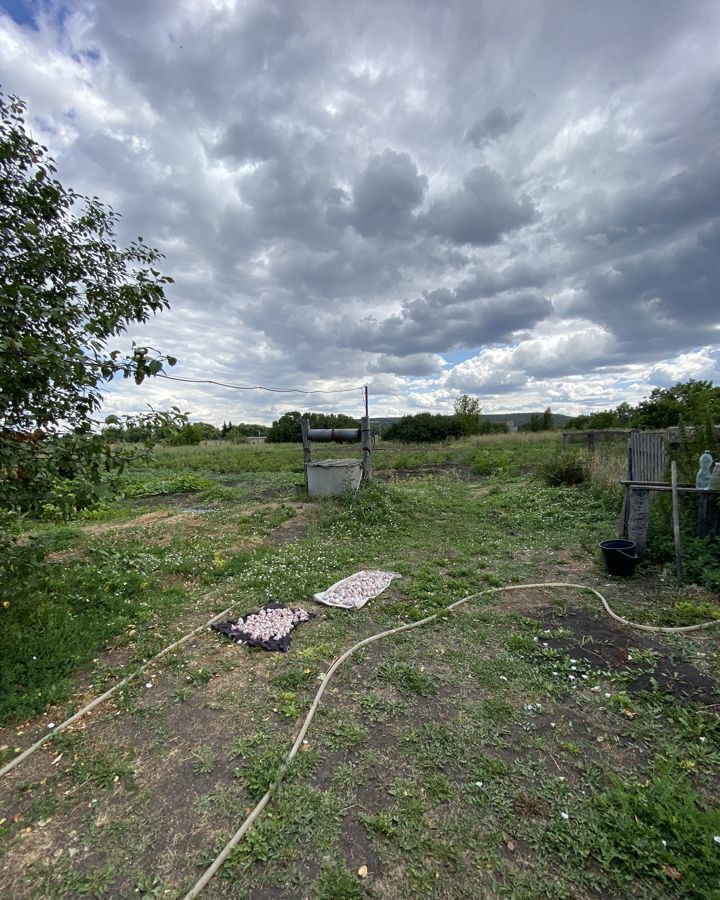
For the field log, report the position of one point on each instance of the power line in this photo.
(255, 387)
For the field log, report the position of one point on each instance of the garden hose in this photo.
(98, 700)
(212, 870)
(247, 824)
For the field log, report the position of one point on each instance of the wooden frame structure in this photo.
(635, 513)
(341, 435)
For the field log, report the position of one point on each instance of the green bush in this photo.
(700, 556)
(566, 468)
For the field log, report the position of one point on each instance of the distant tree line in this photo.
(230, 432)
(539, 422)
(685, 403)
(428, 427)
(189, 434)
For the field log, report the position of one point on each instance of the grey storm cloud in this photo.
(438, 320)
(250, 138)
(481, 213)
(413, 364)
(494, 124)
(385, 194)
(346, 192)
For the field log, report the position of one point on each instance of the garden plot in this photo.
(460, 759)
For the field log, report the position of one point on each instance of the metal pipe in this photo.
(341, 435)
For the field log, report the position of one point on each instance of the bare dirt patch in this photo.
(604, 643)
(294, 529)
(138, 522)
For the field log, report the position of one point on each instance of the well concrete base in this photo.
(333, 477)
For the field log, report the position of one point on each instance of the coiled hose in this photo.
(247, 824)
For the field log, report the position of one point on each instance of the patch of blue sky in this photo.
(23, 12)
(457, 356)
(84, 55)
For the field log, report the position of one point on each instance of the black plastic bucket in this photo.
(620, 557)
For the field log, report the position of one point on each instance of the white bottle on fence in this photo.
(702, 479)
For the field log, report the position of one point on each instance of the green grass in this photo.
(657, 830)
(406, 678)
(444, 760)
(149, 486)
(59, 615)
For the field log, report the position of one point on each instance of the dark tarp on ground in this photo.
(230, 630)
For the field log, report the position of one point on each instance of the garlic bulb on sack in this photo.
(270, 624)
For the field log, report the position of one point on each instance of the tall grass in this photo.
(608, 467)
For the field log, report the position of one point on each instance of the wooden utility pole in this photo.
(366, 441)
(307, 452)
(676, 519)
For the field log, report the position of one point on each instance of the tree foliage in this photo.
(425, 428)
(66, 289)
(685, 403)
(467, 412)
(230, 432)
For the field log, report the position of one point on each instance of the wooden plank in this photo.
(307, 451)
(707, 514)
(366, 453)
(654, 486)
(638, 518)
(676, 521)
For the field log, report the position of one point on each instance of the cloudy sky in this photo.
(516, 200)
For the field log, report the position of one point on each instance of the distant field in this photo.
(502, 450)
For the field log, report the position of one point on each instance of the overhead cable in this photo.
(255, 387)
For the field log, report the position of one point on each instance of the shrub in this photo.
(566, 468)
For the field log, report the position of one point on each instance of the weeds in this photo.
(489, 739)
(337, 883)
(406, 678)
(657, 829)
(569, 467)
(204, 760)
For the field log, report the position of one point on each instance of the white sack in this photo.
(355, 591)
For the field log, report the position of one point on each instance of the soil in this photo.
(607, 645)
(213, 715)
(137, 522)
(294, 529)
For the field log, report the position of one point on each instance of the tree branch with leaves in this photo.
(66, 289)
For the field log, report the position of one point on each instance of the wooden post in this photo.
(366, 454)
(624, 512)
(307, 452)
(676, 520)
(707, 516)
(638, 517)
